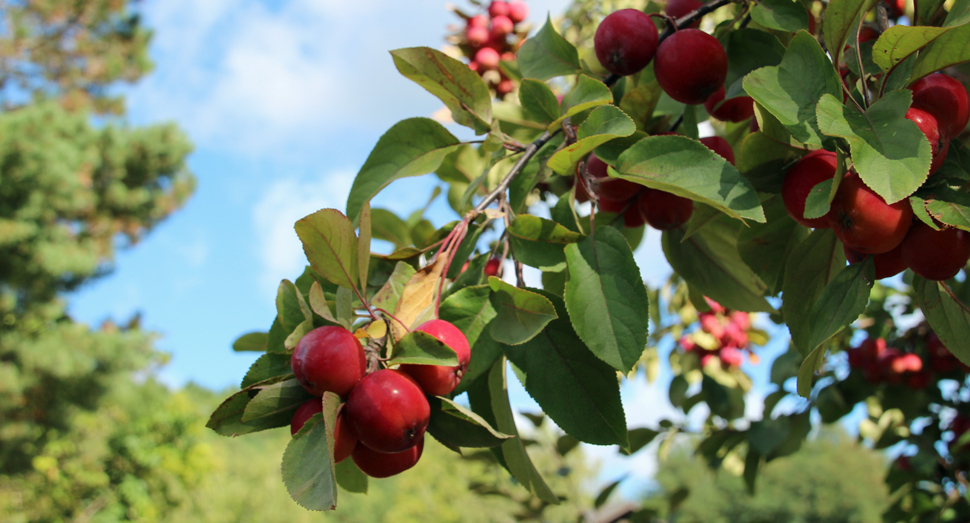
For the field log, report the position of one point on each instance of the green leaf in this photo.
(308, 467)
(710, 261)
(959, 14)
(521, 314)
(840, 19)
(807, 370)
(363, 245)
(226, 420)
(276, 399)
(318, 302)
(574, 388)
(350, 478)
(782, 15)
(766, 247)
(298, 333)
(841, 301)
(900, 41)
(421, 348)
(890, 153)
(540, 243)
(919, 210)
(251, 342)
(791, 90)
(587, 94)
(749, 49)
(812, 265)
(640, 102)
(605, 493)
(410, 148)
(687, 168)
(547, 55)
(291, 308)
(269, 365)
(949, 318)
(752, 460)
(470, 309)
(275, 341)
(607, 302)
(538, 101)
(388, 296)
(949, 49)
(639, 438)
(602, 125)
(389, 227)
(950, 207)
(766, 435)
(330, 246)
(456, 426)
(818, 203)
(763, 161)
(462, 90)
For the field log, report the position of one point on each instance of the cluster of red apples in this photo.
(864, 222)
(882, 364)
(723, 334)
(382, 422)
(485, 41)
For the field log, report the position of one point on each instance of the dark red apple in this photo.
(814, 168)
(384, 465)
(625, 41)
(690, 66)
(664, 211)
(720, 146)
(939, 143)
(439, 380)
(681, 8)
(736, 109)
(936, 255)
(946, 99)
(886, 264)
(864, 221)
(329, 359)
(387, 411)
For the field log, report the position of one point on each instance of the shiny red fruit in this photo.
(384, 465)
(439, 380)
(344, 440)
(735, 110)
(329, 359)
(305, 412)
(613, 206)
(681, 8)
(939, 144)
(690, 66)
(886, 264)
(487, 58)
(387, 411)
(501, 26)
(498, 8)
(864, 221)
(664, 211)
(476, 35)
(492, 266)
(518, 11)
(936, 255)
(625, 41)
(633, 218)
(814, 168)
(946, 99)
(720, 146)
(615, 189)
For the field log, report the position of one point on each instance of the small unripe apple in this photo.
(946, 99)
(936, 255)
(518, 11)
(735, 110)
(387, 411)
(814, 168)
(384, 465)
(664, 211)
(487, 58)
(439, 380)
(625, 41)
(329, 359)
(690, 66)
(864, 221)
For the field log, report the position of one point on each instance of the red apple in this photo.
(305, 412)
(384, 465)
(476, 35)
(939, 144)
(720, 146)
(487, 58)
(690, 66)
(946, 99)
(498, 8)
(501, 26)
(344, 440)
(625, 41)
(681, 8)
(886, 264)
(439, 380)
(936, 255)
(518, 11)
(864, 221)
(329, 359)
(387, 411)
(736, 109)
(664, 211)
(814, 168)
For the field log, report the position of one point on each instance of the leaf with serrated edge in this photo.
(890, 153)
(456, 426)
(547, 55)
(251, 342)
(602, 125)
(783, 15)
(291, 307)
(900, 41)
(539, 243)
(308, 464)
(685, 167)
(950, 207)
(949, 318)
(411, 147)
(841, 302)
(416, 304)
(538, 101)
(330, 246)
(269, 365)
(946, 50)
(812, 265)
(574, 388)
(607, 302)
(318, 302)
(462, 90)
(521, 314)
(840, 18)
(469, 310)
(587, 93)
(421, 348)
(298, 333)
(282, 397)
(791, 90)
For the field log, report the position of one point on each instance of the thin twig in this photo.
(862, 67)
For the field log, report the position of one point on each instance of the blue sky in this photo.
(284, 100)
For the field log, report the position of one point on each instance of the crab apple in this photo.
(814, 168)
(344, 440)
(305, 412)
(476, 35)
(681, 8)
(625, 41)
(616, 189)
(946, 99)
(501, 26)
(387, 411)
(504, 87)
(908, 362)
(498, 8)
(873, 349)
(632, 217)
(731, 357)
(864, 221)
(439, 380)
(664, 211)
(384, 465)
(886, 264)
(329, 359)
(936, 255)
(855, 357)
(939, 144)
(478, 21)
(492, 266)
(710, 324)
(487, 58)
(720, 146)
(735, 110)
(613, 206)
(690, 66)
(518, 11)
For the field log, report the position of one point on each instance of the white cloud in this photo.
(283, 203)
